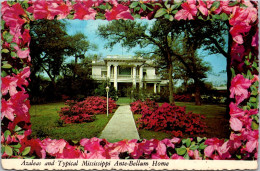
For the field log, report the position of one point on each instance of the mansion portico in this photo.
(124, 71)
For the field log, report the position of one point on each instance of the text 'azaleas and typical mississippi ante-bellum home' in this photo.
(127, 71)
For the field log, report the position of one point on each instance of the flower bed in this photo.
(84, 111)
(171, 119)
(182, 98)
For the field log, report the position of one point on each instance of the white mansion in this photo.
(126, 71)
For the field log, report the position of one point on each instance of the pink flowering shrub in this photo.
(138, 106)
(182, 98)
(171, 119)
(84, 111)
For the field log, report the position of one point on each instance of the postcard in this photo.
(129, 85)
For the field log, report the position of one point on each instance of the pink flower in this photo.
(239, 86)
(119, 12)
(9, 84)
(204, 6)
(256, 78)
(237, 32)
(235, 124)
(84, 11)
(213, 145)
(49, 9)
(235, 111)
(255, 39)
(224, 7)
(124, 146)
(243, 16)
(252, 141)
(188, 12)
(160, 151)
(7, 109)
(53, 147)
(22, 76)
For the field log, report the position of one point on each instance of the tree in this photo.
(162, 35)
(49, 45)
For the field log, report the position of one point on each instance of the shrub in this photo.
(171, 119)
(138, 106)
(84, 111)
(182, 98)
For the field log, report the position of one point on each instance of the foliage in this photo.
(16, 127)
(168, 118)
(101, 91)
(84, 111)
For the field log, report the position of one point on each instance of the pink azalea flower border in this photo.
(243, 139)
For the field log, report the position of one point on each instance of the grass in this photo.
(123, 101)
(217, 124)
(44, 124)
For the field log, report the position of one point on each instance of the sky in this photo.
(89, 28)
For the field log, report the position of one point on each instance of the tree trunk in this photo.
(197, 92)
(170, 72)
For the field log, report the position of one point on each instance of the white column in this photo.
(108, 71)
(115, 76)
(155, 88)
(134, 77)
(159, 88)
(141, 76)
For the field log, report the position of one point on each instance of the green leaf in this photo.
(70, 16)
(247, 62)
(7, 66)
(3, 73)
(252, 99)
(188, 142)
(13, 54)
(160, 13)
(17, 146)
(17, 128)
(238, 156)
(186, 156)
(233, 3)
(134, 4)
(201, 18)
(2, 149)
(5, 51)
(202, 146)
(233, 72)
(254, 64)
(8, 150)
(103, 7)
(171, 18)
(26, 151)
(216, 16)
(254, 125)
(166, 2)
(224, 17)
(137, 16)
(6, 133)
(194, 147)
(167, 16)
(3, 24)
(250, 55)
(137, 9)
(249, 75)
(8, 37)
(199, 139)
(108, 6)
(174, 11)
(215, 5)
(143, 7)
(181, 151)
(158, 4)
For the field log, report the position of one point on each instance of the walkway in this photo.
(121, 126)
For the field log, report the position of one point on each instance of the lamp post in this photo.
(107, 90)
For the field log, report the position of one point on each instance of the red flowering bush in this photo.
(182, 98)
(138, 106)
(84, 111)
(172, 119)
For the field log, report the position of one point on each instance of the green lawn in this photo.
(217, 124)
(44, 124)
(123, 101)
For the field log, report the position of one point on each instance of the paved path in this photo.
(121, 126)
